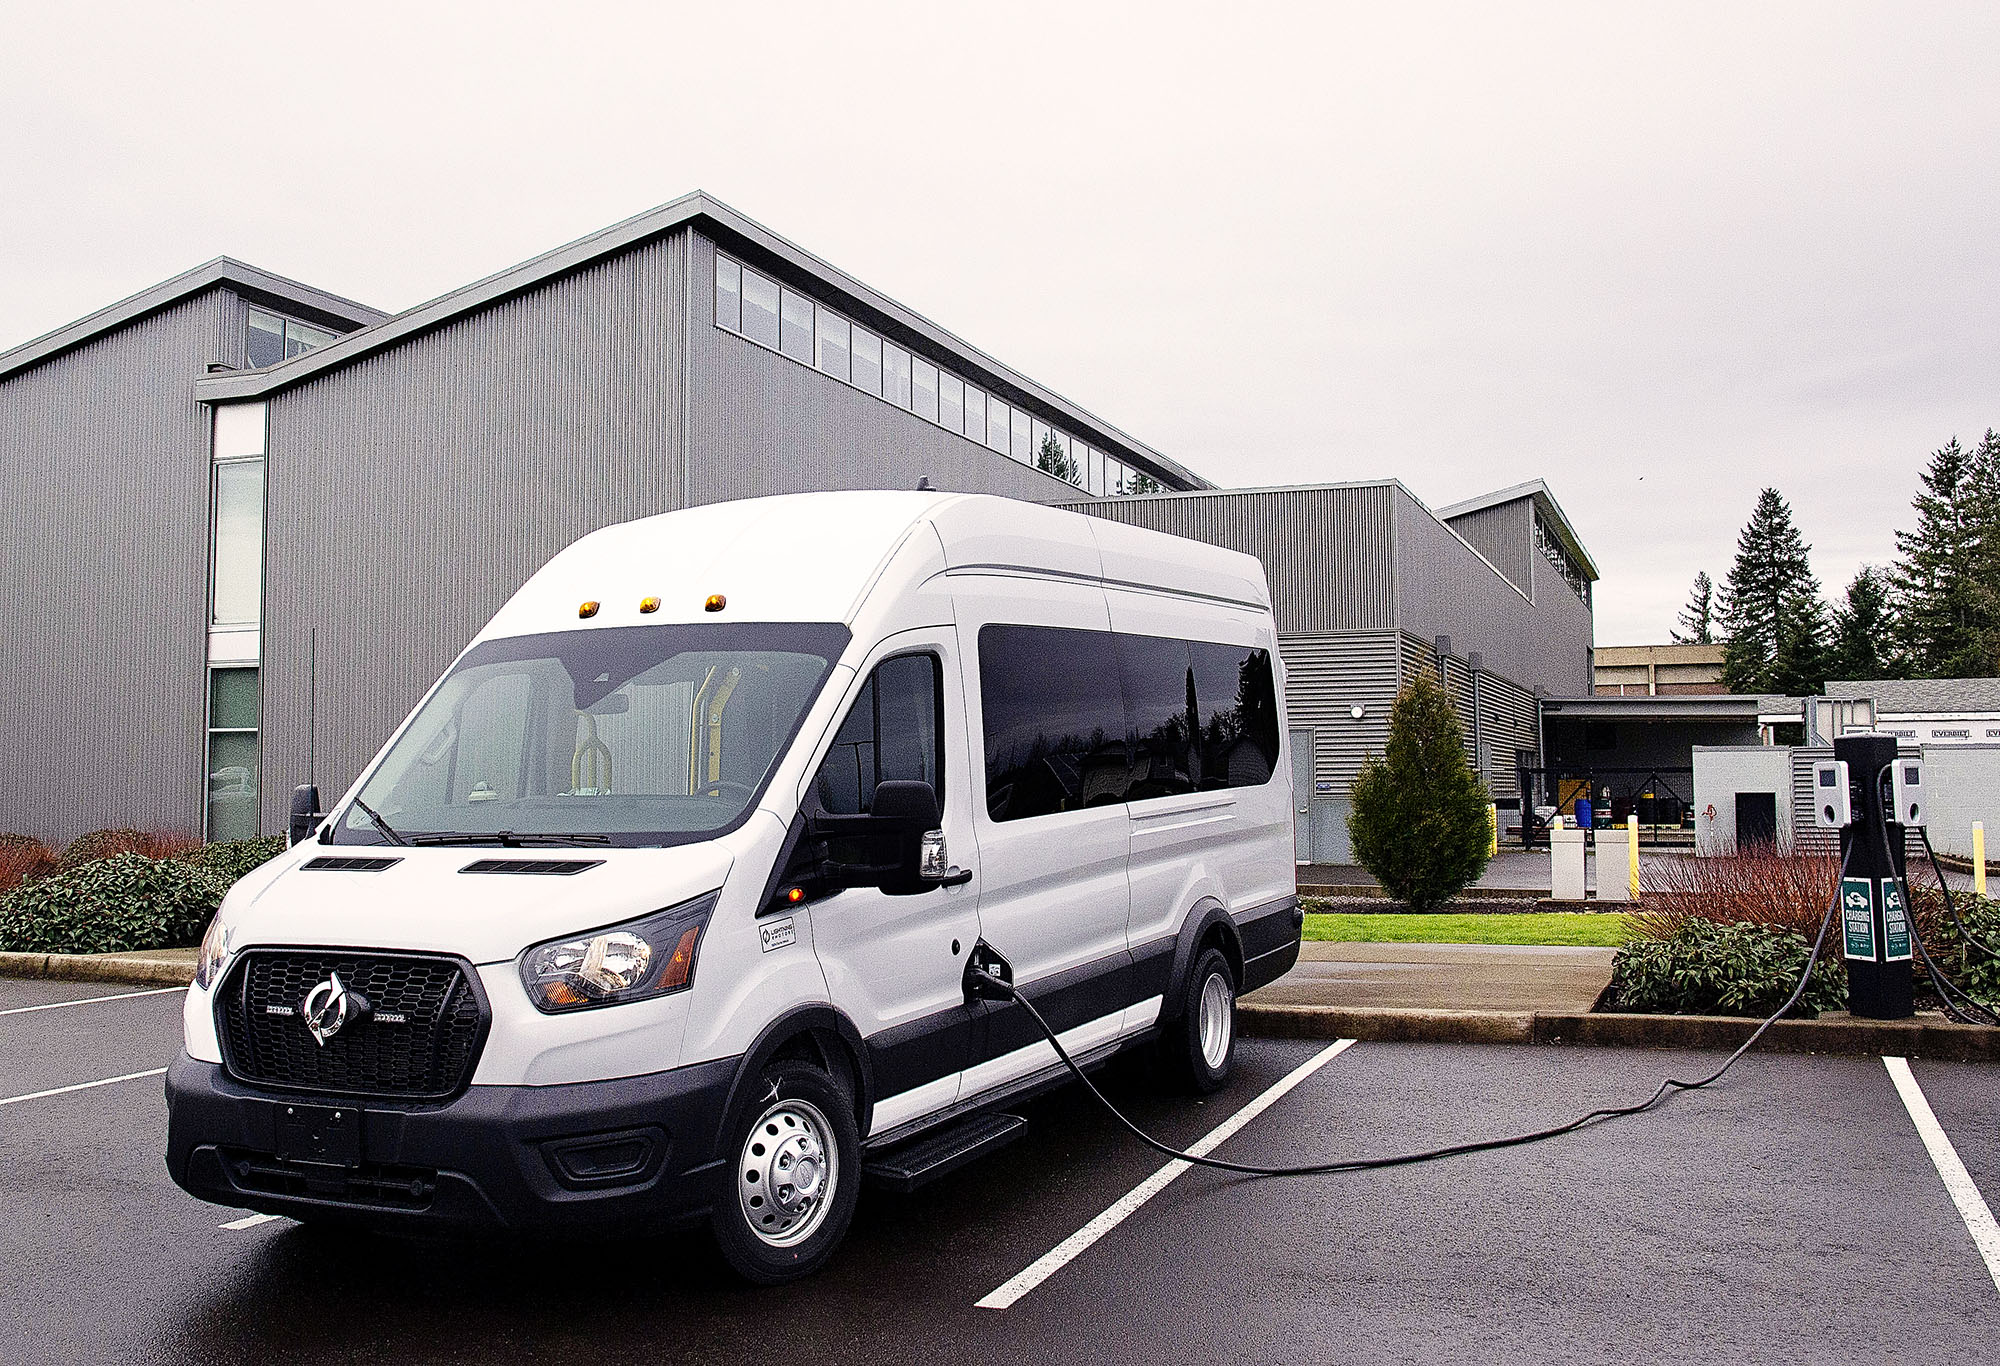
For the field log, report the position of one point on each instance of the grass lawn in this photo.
(1554, 927)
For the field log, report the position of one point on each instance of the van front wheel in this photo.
(795, 1176)
(1199, 1045)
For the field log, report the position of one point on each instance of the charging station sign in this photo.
(1895, 923)
(1857, 916)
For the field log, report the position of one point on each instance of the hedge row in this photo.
(126, 901)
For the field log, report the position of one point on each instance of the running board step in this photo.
(926, 1158)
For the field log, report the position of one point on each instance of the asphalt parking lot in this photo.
(1792, 1213)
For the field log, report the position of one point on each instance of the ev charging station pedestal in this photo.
(1874, 906)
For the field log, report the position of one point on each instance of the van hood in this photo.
(427, 901)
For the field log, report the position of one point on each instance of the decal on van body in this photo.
(777, 934)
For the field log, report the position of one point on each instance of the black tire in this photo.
(807, 1116)
(1187, 1064)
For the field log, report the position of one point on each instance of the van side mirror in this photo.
(898, 846)
(306, 814)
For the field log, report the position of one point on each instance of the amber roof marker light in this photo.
(649, 605)
(716, 602)
(587, 610)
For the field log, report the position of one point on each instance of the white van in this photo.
(659, 909)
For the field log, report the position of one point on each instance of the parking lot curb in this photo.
(1923, 1037)
(134, 969)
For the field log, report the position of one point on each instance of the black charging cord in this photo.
(1951, 905)
(1006, 990)
(1957, 1001)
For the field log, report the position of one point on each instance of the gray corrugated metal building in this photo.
(298, 545)
(1372, 587)
(106, 528)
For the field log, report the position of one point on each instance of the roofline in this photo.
(1723, 704)
(698, 210)
(223, 270)
(1393, 484)
(1550, 509)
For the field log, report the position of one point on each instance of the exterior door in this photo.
(894, 964)
(1047, 735)
(1302, 790)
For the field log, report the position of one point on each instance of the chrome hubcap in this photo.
(1216, 1020)
(786, 1173)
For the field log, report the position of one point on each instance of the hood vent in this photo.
(533, 867)
(349, 863)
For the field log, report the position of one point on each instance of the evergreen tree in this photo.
(1863, 630)
(1054, 458)
(1698, 617)
(1942, 584)
(1772, 614)
(1419, 822)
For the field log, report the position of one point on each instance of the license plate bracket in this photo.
(318, 1133)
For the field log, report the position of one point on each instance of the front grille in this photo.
(418, 1042)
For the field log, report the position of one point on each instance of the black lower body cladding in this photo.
(629, 1155)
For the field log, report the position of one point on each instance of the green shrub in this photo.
(1420, 823)
(1973, 966)
(120, 903)
(231, 859)
(1706, 968)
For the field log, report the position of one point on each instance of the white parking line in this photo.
(88, 1000)
(250, 1222)
(83, 1086)
(1971, 1204)
(1062, 1253)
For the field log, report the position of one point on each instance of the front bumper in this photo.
(632, 1155)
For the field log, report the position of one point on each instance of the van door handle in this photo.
(957, 877)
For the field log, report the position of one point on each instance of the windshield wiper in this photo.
(380, 824)
(506, 839)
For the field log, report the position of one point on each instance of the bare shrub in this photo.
(1763, 887)
(23, 860)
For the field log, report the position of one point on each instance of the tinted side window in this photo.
(1054, 720)
(891, 733)
(1161, 715)
(1238, 696)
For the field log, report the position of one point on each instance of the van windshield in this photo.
(625, 735)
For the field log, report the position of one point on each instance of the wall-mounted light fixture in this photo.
(1357, 712)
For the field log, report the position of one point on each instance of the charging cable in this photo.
(1957, 1001)
(995, 987)
(1949, 903)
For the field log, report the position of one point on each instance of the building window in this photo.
(1559, 559)
(728, 294)
(975, 414)
(274, 337)
(759, 310)
(997, 416)
(239, 542)
(795, 327)
(896, 375)
(924, 390)
(232, 754)
(867, 363)
(951, 402)
(831, 329)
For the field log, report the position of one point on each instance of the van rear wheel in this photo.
(1199, 1045)
(794, 1176)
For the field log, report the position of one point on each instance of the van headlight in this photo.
(214, 954)
(629, 962)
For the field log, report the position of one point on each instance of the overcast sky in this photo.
(1659, 256)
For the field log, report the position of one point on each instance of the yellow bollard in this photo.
(1979, 858)
(1492, 829)
(1632, 851)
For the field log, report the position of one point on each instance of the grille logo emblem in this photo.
(330, 1006)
